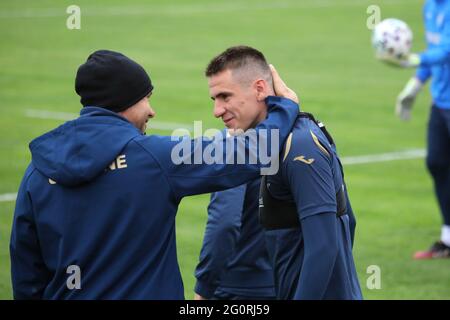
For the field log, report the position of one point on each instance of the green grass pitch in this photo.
(322, 50)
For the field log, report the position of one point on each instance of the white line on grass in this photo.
(8, 197)
(50, 115)
(182, 9)
(374, 158)
(66, 116)
(383, 157)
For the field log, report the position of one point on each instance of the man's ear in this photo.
(261, 88)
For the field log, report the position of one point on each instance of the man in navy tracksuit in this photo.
(434, 63)
(234, 262)
(305, 212)
(95, 212)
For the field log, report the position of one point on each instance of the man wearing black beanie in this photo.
(95, 212)
(113, 81)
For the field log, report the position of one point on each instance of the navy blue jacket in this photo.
(101, 196)
(234, 258)
(313, 261)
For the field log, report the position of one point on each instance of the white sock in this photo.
(445, 235)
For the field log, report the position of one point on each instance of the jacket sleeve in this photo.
(321, 249)
(440, 53)
(183, 160)
(28, 271)
(351, 218)
(309, 175)
(221, 235)
(423, 73)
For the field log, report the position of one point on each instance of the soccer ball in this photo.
(392, 39)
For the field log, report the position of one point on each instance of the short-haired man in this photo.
(234, 263)
(304, 206)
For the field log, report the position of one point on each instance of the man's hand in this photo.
(405, 99)
(199, 297)
(281, 89)
(411, 61)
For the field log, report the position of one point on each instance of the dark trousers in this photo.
(438, 157)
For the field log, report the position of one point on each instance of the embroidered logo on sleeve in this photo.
(302, 159)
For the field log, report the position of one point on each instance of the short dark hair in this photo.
(236, 58)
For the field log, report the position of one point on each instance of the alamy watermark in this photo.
(251, 147)
(73, 22)
(374, 18)
(373, 282)
(73, 281)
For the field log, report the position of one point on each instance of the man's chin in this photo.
(235, 131)
(231, 126)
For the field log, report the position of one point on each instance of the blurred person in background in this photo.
(434, 63)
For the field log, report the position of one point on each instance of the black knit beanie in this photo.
(112, 81)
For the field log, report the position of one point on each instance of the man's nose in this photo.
(152, 112)
(219, 109)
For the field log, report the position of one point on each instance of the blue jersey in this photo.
(234, 257)
(98, 204)
(435, 61)
(313, 260)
